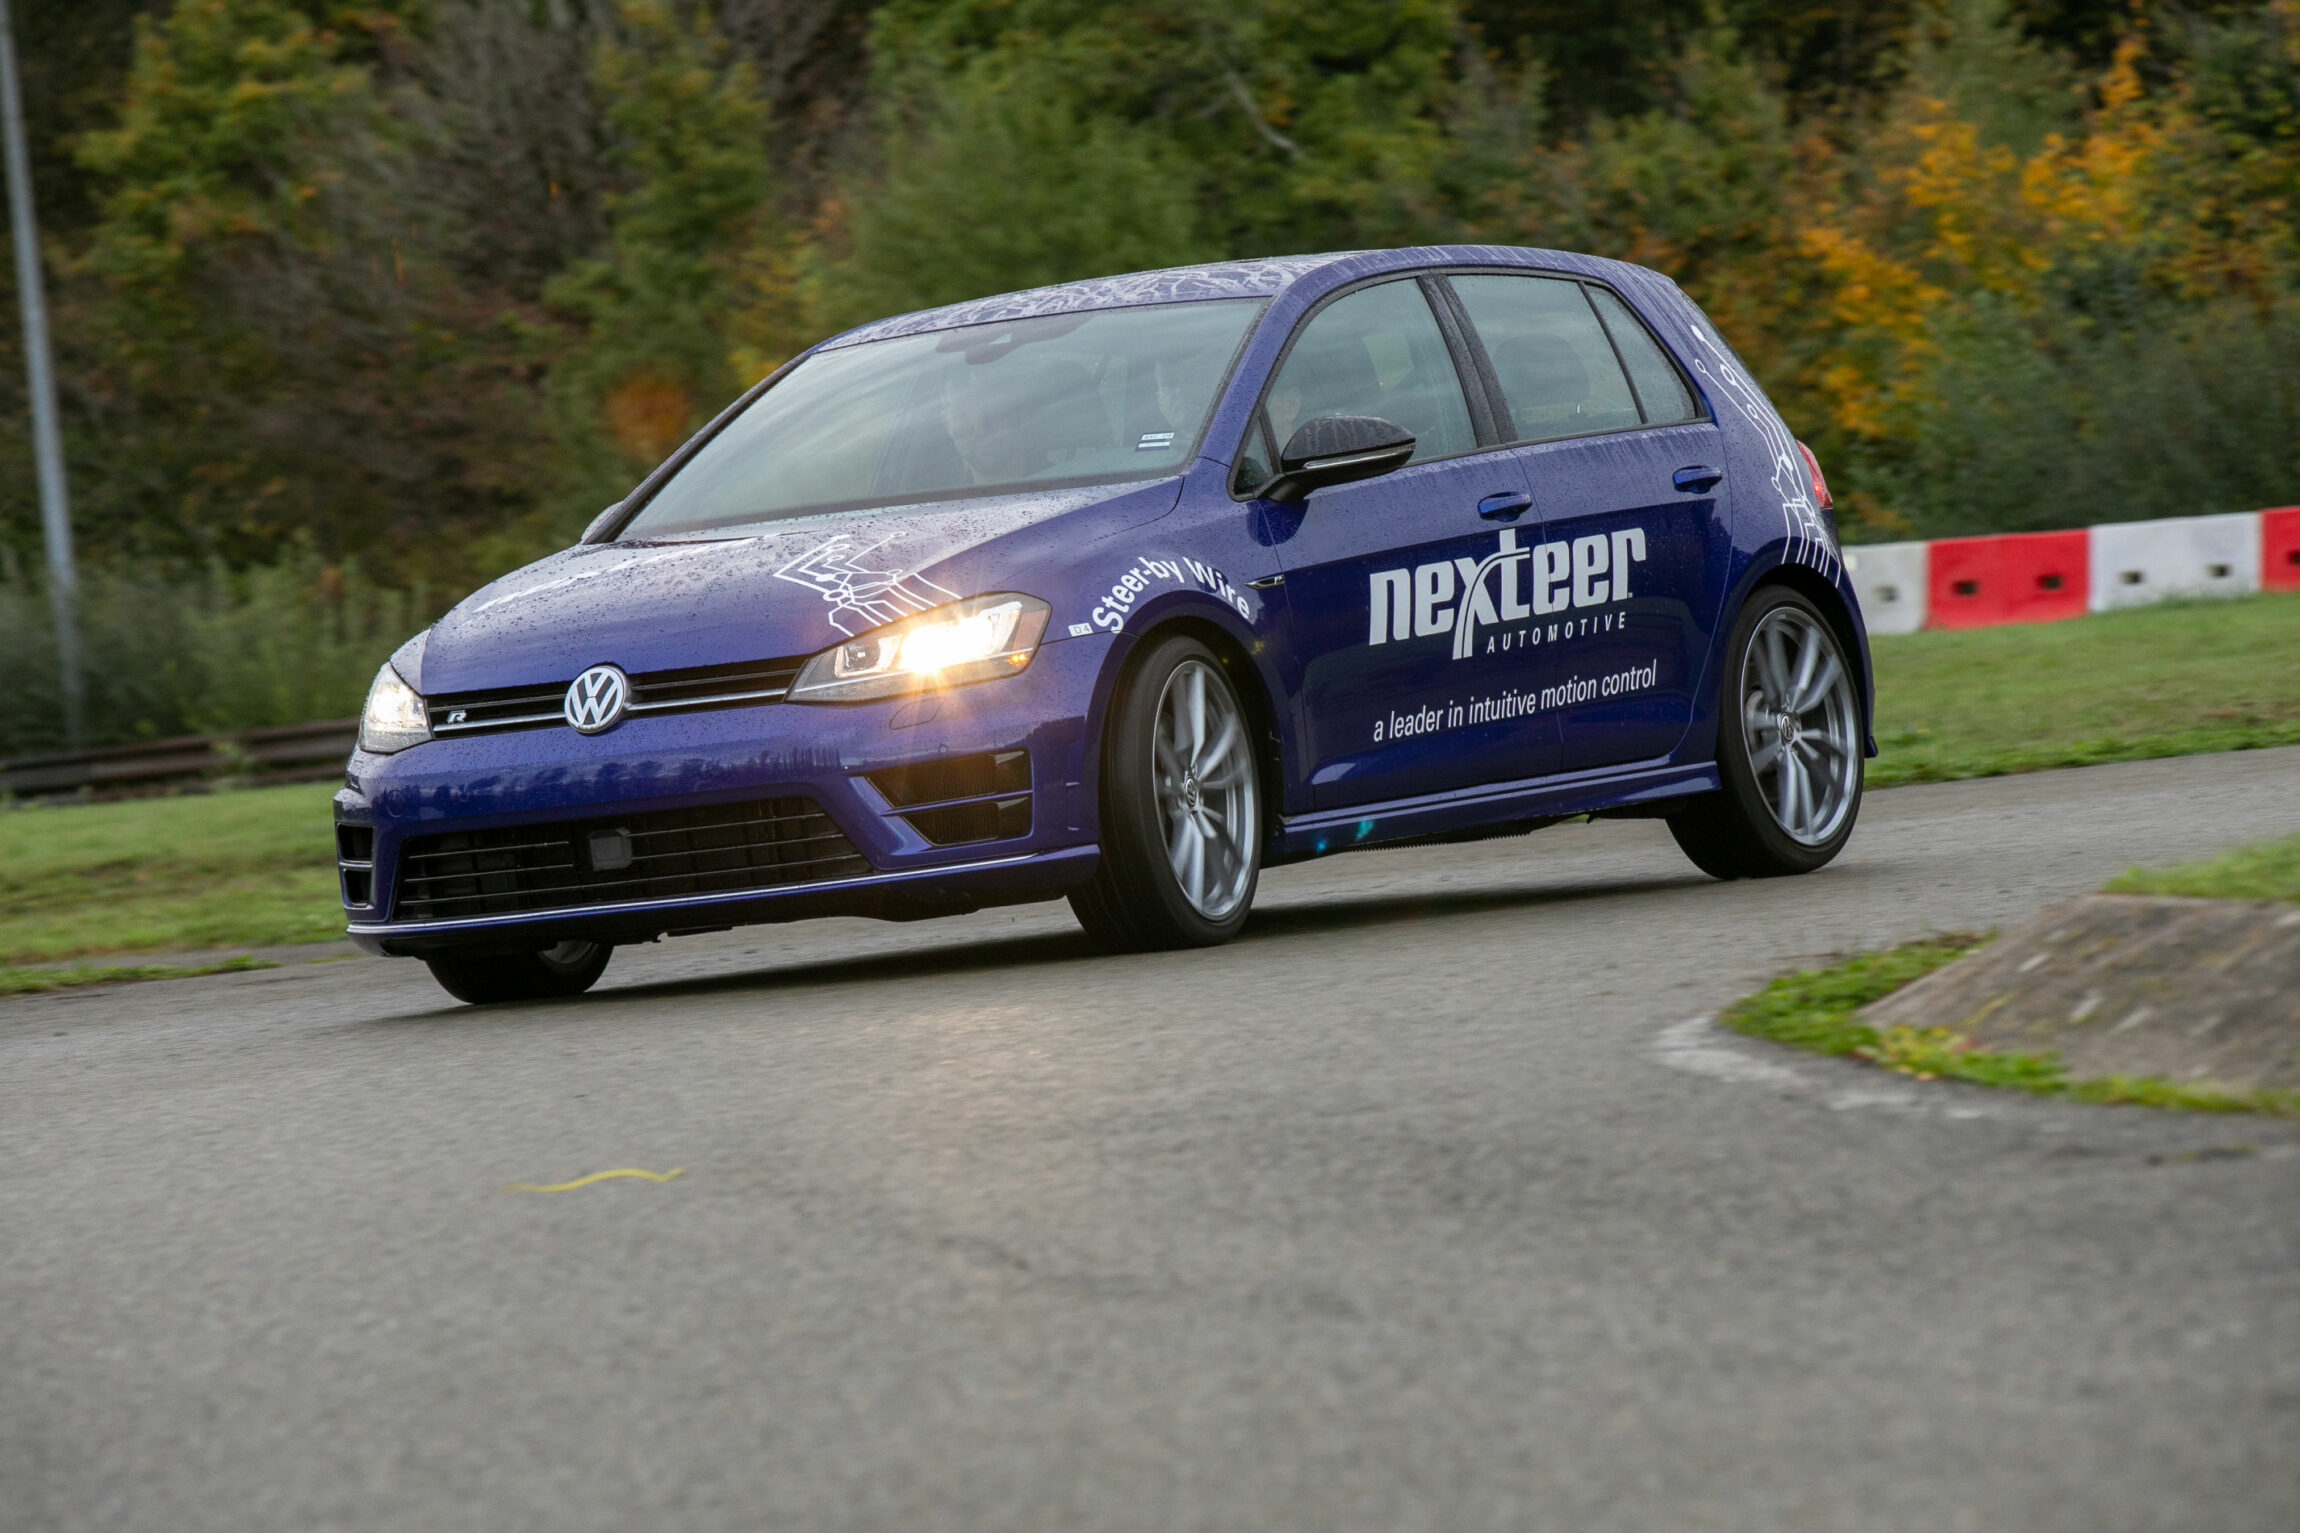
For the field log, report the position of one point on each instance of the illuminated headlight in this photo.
(980, 639)
(394, 717)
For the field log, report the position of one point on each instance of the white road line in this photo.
(1693, 1046)
(1698, 1046)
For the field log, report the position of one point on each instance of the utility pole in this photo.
(47, 438)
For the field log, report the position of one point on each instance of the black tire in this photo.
(1738, 832)
(1137, 901)
(483, 979)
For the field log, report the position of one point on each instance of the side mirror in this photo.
(1338, 449)
(599, 525)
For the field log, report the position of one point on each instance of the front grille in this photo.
(742, 685)
(664, 854)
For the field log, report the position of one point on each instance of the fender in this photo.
(1196, 609)
(1777, 562)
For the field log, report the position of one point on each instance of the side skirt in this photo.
(1328, 831)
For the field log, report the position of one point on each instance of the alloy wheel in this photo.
(1203, 768)
(567, 957)
(1801, 723)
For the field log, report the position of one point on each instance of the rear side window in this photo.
(1660, 387)
(1378, 352)
(1557, 370)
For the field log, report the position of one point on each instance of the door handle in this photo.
(1697, 480)
(1505, 507)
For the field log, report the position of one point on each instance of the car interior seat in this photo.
(1067, 418)
(1337, 379)
(1049, 416)
(1541, 378)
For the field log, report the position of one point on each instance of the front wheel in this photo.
(1181, 808)
(485, 978)
(1789, 748)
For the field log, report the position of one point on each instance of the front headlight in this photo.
(395, 717)
(975, 640)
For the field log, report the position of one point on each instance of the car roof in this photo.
(1267, 277)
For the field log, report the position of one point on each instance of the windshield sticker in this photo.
(1155, 441)
(1145, 574)
(1462, 596)
(861, 597)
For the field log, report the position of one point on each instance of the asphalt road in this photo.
(1428, 1204)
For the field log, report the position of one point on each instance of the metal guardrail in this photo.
(280, 754)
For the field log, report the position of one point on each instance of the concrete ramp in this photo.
(2191, 990)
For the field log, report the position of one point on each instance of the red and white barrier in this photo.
(1889, 579)
(2136, 562)
(2042, 577)
(2280, 549)
(2021, 577)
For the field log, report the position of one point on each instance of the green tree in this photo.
(239, 122)
(691, 300)
(1051, 139)
(1009, 184)
(1702, 187)
(273, 353)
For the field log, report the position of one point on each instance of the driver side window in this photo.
(1379, 352)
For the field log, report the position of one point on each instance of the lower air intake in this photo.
(665, 854)
(959, 800)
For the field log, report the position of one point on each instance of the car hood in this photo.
(781, 589)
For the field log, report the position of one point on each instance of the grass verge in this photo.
(2172, 679)
(33, 981)
(254, 868)
(2265, 870)
(1814, 1010)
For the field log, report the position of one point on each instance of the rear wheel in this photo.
(482, 979)
(1789, 745)
(1181, 807)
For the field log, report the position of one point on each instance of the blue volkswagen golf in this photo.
(1123, 591)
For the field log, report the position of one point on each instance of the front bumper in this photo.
(682, 761)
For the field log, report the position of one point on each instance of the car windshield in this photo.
(1067, 399)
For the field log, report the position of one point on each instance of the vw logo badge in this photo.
(596, 699)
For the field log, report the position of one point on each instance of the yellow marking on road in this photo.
(596, 1176)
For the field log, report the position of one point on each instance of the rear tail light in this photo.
(1821, 495)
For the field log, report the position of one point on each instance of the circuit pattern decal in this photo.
(1181, 284)
(1810, 541)
(860, 596)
